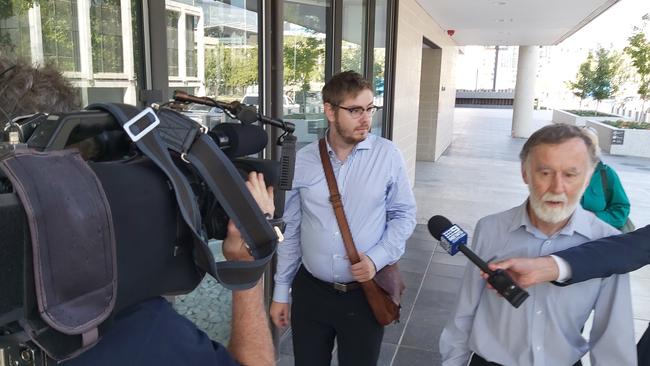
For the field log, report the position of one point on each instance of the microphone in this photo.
(238, 140)
(245, 113)
(453, 239)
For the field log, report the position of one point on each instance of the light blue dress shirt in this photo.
(378, 203)
(545, 329)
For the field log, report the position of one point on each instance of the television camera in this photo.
(124, 216)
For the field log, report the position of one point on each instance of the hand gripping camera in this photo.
(82, 239)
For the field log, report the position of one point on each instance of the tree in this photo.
(606, 81)
(301, 56)
(583, 85)
(639, 51)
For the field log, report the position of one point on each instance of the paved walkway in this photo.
(478, 175)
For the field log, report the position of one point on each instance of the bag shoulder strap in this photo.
(155, 137)
(603, 180)
(335, 199)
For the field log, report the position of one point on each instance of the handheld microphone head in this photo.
(451, 236)
(453, 239)
(437, 224)
(238, 140)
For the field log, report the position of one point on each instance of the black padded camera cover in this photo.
(72, 237)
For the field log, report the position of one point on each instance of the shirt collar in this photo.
(578, 223)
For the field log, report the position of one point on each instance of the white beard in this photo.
(551, 215)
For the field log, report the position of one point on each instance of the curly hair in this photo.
(27, 89)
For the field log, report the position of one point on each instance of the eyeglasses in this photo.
(357, 112)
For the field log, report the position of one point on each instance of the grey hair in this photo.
(556, 134)
(26, 89)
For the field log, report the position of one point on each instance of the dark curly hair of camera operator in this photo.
(28, 89)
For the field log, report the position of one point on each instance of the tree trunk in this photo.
(596, 111)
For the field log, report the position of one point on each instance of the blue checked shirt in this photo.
(378, 204)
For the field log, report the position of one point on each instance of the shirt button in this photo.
(539, 312)
(539, 348)
(336, 233)
(547, 242)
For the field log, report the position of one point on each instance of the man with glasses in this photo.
(313, 268)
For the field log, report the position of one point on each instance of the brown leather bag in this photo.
(385, 290)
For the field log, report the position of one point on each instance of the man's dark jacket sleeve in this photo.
(605, 257)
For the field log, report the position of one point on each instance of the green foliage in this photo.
(227, 68)
(629, 124)
(599, 76)
(608, 65)
(106, 36)
(583, 85)
(351, 57)
(588, 113)
(638, 49)
(301, 58)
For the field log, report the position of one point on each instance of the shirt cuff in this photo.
(379, 257)
(281, 293)
(564, 269)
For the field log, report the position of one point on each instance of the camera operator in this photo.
(153, 333)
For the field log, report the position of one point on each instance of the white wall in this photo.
(414, 24)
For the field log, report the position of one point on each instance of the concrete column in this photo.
(522, 111)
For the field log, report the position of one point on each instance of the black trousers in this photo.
(477, 360)
(643, 348)
(319, 313)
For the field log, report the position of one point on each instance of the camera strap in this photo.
(155, 136)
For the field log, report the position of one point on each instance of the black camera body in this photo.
(158, 252)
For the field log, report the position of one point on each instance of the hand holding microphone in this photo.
(453, 239)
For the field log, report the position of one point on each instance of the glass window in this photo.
(60, 25)
(82, 39)
(379, 63)
(106, 35)
(304, 68)
(231, 60)
(191, 23)
(14, 32)
(218, 51)
(354, 35)
(172, 42)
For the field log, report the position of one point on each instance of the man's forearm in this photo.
(250, 340)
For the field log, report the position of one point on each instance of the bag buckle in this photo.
(340, 286)
(147, 114)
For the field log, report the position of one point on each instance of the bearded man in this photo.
(313, 269)
(556, 164)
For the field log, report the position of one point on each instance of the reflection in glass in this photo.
(191, 24)
(83, 39)
(379, 63)
(354, 35)
(14, 32)
(106, 36)
(172, 42)
(225, 67)
(60, 34)
(304, 68)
